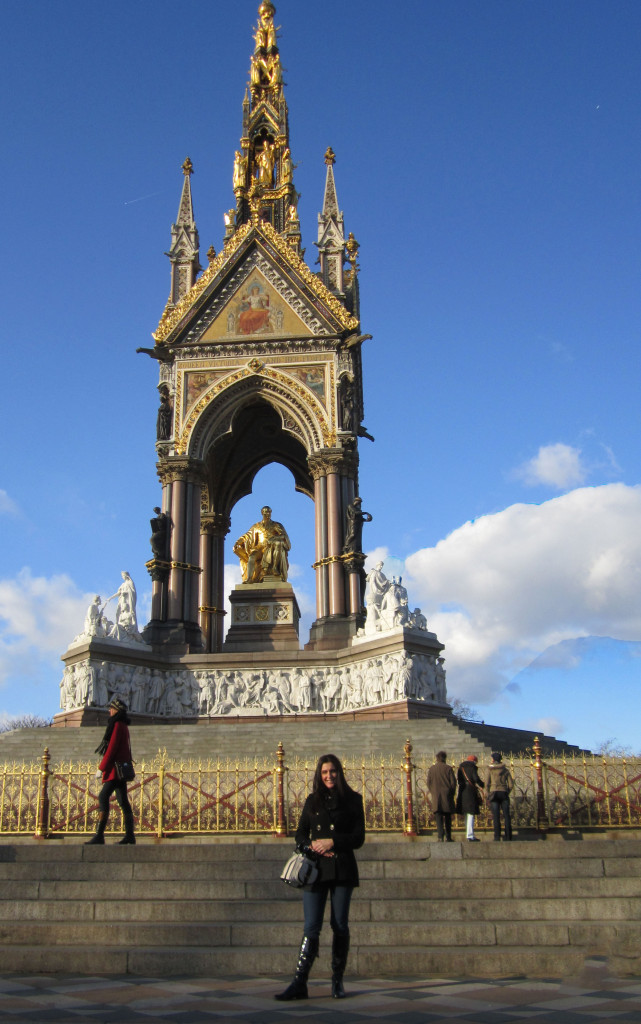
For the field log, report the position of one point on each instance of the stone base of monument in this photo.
(400, 710)
(397, 673)
(264, 617)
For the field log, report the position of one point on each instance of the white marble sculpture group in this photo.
(125, 628)
(190, 692)
(367, 681)
(387, 604)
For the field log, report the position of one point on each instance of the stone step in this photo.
(536, 908)
(278, 961)
(187, 933)
(425, 908)
(303, 738)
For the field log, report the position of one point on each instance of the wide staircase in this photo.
(303, 738)
(217, 908)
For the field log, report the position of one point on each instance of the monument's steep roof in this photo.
(289, 273)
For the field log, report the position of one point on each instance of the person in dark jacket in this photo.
(441, 784)
(331, 827)
(115, 746)
(468, 801)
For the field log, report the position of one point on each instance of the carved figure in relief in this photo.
(286, 166)
(418, 620)
(265, 163)
(240, 169)
(377, 584)
(159, 540)
(354, 532)
(346, 399)
(138, 691)
(126, 622)
(439, 679)
(164, 417)
(94, 622)
(262, 550)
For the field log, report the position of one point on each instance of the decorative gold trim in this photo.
(254, 368)
(210, 610)
(186, 566)
(327, 561)
(338, 309)
(172, 315)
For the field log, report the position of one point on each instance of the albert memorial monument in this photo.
(258, 361)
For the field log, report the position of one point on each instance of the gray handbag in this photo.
(300, 870)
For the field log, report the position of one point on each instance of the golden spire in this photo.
(263, 169)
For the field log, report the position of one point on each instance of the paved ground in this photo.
(594, 997)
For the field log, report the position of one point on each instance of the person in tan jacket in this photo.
(498, 786)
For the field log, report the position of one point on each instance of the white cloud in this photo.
(550, 726)
(555, 465)
(8, 506)
(502, 589)
(39, 617)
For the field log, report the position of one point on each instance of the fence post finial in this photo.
(541, 817)
(409, 827)
(42, 815)
(281, 817)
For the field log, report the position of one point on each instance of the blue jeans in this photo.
(314, 909)
(501, 802)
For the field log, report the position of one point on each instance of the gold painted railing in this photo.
(172, 798)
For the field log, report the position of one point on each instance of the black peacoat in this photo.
(340, 820)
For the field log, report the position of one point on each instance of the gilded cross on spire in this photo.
(330, 156)
(188, 167)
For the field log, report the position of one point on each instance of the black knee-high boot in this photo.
(340, 949)
(306, 956)
(130, 839)
(99, 838)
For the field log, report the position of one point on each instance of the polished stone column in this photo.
(177, 599)
(214, 527)
(322, 588)
(335, 473)
(335, 518)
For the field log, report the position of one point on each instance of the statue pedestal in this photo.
(264, 617)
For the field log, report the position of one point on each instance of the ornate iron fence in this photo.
(172, 798)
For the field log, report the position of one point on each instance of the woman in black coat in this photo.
(331, 827)
(468, 801)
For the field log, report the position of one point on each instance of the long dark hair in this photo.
(318, 786)
(120, 716)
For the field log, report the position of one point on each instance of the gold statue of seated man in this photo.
(262, 550)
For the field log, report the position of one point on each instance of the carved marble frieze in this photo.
(364, 683)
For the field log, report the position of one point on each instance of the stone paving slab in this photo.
(67, 999)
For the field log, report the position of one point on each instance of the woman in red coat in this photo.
(115, 746)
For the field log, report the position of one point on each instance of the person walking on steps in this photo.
(441, 785)
(498, 786)
(470, 793)
(331, 826)
(114, 747)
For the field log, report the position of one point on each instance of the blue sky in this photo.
(488, 162)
